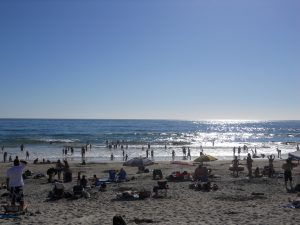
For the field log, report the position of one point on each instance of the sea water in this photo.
(46, 138)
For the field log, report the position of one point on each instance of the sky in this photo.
(158, 59)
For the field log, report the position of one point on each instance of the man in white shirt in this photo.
(15, 182)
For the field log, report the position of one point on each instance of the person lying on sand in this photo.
(201, 173)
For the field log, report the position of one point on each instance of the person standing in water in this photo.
(278, 153)
(27, 155)
(189, 154)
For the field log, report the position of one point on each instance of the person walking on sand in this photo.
(15, 182)
(249, 165)
(288, 167)
(233, 152)
(147, 153)
(152, 153)
(173, 155)
(297, 147)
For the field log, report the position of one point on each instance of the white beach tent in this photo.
(295, 155)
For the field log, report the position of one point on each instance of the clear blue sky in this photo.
(172, 59)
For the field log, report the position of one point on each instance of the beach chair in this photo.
(67, 176)
(58, 190)
(14, 209)
(78, 191)
(157, 174)
(112, 175)
(161, 189)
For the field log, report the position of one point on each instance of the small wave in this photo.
(181, 143)
(49, 140)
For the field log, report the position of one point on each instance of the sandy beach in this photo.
(233, 203)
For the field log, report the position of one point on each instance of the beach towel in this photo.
(8, 216)
(293, 205)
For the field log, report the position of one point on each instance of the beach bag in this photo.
(77, 190)
(118, 220)
(297, 188)
(67, 176)
(162, 184)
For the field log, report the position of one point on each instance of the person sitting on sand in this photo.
(51, 172)
(122, 175)
(95, 180)
(58, 190)
(141, 168)
(257, 173)
(83, 182)
(201, 173)
(288, 167)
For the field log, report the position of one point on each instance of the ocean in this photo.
(45, 138)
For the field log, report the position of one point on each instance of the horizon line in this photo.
(233, 120)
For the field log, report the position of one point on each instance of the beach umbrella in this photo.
(205, 158)
(138, 161)
(294, 155)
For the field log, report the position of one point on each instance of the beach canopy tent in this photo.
(205, 158)
(294, 155)
(138, 161)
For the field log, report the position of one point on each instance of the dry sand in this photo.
(233, 203)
